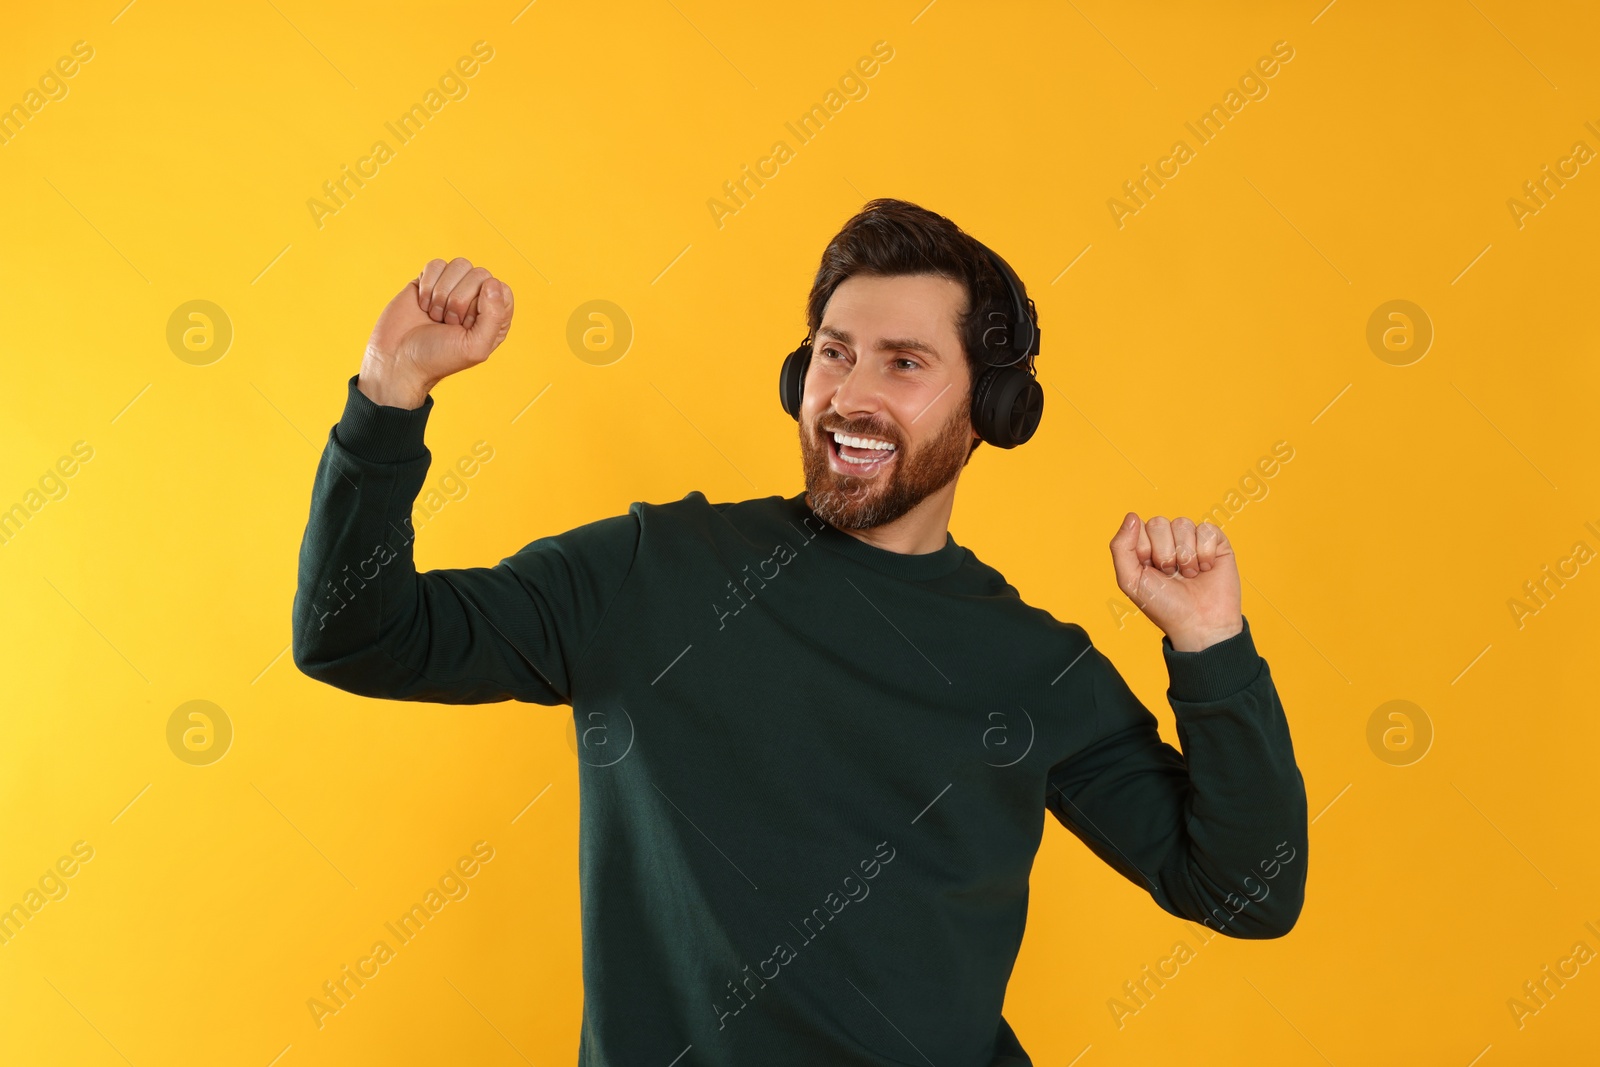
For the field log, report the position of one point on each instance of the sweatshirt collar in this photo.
(909, 566)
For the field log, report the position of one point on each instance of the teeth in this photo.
(862, 442)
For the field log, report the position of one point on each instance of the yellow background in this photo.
(1227, 315)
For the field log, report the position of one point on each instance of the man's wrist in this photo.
(381, 433)
(1216, 672)
(1199, 641)
(382, 382)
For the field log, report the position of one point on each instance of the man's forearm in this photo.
(358, 539)
(1247, 803)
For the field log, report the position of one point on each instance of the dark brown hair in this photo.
(890, 237)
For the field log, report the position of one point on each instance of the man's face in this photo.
(887, 366)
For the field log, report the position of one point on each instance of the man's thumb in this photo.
(494, 318)
(1124, 552)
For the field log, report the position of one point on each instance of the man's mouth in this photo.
(858, 455)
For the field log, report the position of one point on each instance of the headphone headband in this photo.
(1010, 339)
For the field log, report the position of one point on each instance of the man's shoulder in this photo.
(695, 505)
(1005, 596)
(695, 513)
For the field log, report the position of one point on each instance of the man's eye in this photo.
(831, 352)
(912, 364)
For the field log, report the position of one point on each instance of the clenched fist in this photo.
(1182, 577)
(446, 320)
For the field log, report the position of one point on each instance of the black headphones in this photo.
(1007, 399)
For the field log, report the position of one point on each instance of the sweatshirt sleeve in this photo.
(366, 622)
(1217, 834)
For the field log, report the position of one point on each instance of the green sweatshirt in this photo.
(813, 773)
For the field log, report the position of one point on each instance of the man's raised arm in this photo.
(364, 620)
(1217, 834)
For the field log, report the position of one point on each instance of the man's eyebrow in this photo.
(886, 344)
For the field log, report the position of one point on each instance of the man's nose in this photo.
(858, 394)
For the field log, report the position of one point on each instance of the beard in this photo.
(854, 503)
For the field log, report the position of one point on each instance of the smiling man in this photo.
(888, 409)
(808, 816)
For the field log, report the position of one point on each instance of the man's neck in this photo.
(923, 529)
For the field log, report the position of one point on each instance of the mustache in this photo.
(861, 430)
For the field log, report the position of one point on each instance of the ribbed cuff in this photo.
(379, 433)
(1213, 672)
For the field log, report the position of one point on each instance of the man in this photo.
(810, 809)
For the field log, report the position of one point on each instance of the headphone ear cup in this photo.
(792, 379)
(1007, 404)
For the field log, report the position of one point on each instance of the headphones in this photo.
(1007, 399)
